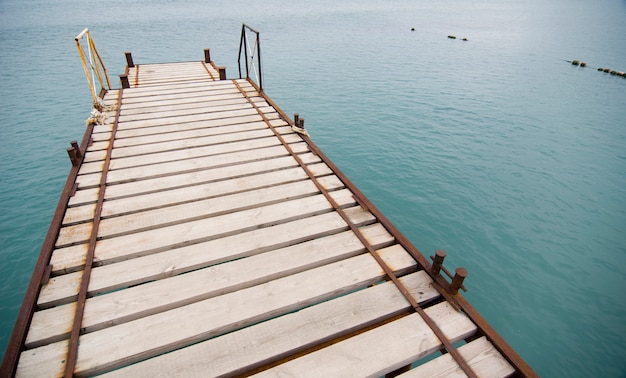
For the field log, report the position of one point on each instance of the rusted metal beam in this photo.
(357, 232)
(72, 353)
(29, 304)
(439, 281)
(129, 59)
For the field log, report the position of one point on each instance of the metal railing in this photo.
(92, 64)
(252, 55)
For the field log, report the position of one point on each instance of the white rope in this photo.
(300, 130)
(93, 69)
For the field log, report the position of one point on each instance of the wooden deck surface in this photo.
(222, 250)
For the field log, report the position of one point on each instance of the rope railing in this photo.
(252, 55)
(92, 64)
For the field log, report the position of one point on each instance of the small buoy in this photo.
(465, 39)
(613, 72)
(607, 70)
(620, 73)
(600, 69)
(412, 29)
(452, 36)
(575, 62)
(583, 64)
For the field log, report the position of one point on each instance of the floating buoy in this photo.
(583, 64)
(412, 29)
(620, 73)
(575, 62)
(465, 39)
(613, 72)
(452, 36)
(607, 70)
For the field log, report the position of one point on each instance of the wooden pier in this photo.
(202, 233)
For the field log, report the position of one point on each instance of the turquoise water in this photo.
(495, 149)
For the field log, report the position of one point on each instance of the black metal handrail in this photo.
(250, 54)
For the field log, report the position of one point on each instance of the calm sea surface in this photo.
(495, 149)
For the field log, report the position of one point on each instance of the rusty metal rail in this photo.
(449, 290)
(252, 54)
(92, 64)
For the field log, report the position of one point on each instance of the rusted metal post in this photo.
(438, 262)
(457, 281)
(207, 55)
(222, 71)
(129, 59)
(296, 119)
(75, 146)
(71, 152)
(124, 81)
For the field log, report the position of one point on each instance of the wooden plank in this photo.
(138, 148)
(200, 125)
(173, 91)
(481, 355)
(196, 164)
(134, 105)
(125, 305)
(161, 217)
(190, 103)
(186, 194)
(191, 118)
(246, 349)
(62, 289)
(29, 364)
(69, 259)
(153, 241)
(200, 108)
(101, 144)
(137, 98)
(189, 134)
(174, 88)
(381, 350)
(199, 177)
(163, 332)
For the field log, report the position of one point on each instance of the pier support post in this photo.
(438, 262)
(75, 146)
(296, 119)
(457, 281)
(207, 55)
(124, 81)
(129, 59)
(222, 71)
(74, 153)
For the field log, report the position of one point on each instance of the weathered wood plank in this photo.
(481, 356)
(125, 305)
(147, 337)
(135, 271)
(176, 105)
(191, 118)
(158, 199)
(173, 168)
(160, 217)
(62, 289)
(210, 125)
(200, 108)
(191, 133)
(153, 241)
(381, 350)
(171, 91)
(138, 148)
(246, 349)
